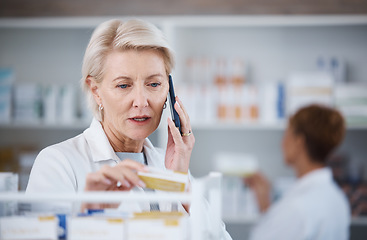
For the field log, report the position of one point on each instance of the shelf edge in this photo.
(191, 21)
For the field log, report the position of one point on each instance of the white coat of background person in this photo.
(125, 77)
(314, 208)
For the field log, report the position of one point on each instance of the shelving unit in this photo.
(79, 125)
(207, 186)
(355, 221)
(191, 21)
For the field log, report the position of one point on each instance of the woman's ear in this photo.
(94, 88)
(300, 141)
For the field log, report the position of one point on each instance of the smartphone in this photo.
(172, 100)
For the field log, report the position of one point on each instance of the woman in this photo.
(125, 77)
(314, 207)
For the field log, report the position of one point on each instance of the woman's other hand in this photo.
(179, 147)
(262, 189)
(121, 177)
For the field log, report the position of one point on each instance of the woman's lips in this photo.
(140, 119)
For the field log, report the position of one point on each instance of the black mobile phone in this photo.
(172, 100)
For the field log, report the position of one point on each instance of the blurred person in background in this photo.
(125, 72)
(314, 208)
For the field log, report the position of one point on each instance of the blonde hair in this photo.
(117, 35)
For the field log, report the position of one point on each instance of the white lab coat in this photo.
(63, 167)
(313, 209)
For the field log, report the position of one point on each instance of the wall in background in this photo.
(26, 8)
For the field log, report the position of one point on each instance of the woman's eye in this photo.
(154, 84)
(122, 86)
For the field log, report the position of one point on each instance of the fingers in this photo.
(96, 181)
(184, 117)
(120, 177)
(133, 178)
(255, 180)
(176, 135)
(126, 173)
(179, 147)
(116, 175)
(183, 109)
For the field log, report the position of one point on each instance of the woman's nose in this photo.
(140, 98)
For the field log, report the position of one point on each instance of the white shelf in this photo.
(212, 126)
(78, 125)
(105, 197)
(192, 21)
(359, 221)
(64, 22)
(357, 126)
(281, 125)
(355, 221)
(238, 126)
(269, 20)
(240, 220)
(206, 186)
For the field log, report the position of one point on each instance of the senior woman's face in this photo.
(133, 92)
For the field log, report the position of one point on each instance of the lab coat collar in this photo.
(101, 149)
(321, 174)
(315, 177)
(98, 143)
(154, 157)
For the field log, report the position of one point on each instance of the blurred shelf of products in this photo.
(36, 105)
(17, 160)
(19, 219)
(218, 91)
(214, 92)
(349, 175)
(218, 88)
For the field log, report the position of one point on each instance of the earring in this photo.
(165, 105)
(100, 107)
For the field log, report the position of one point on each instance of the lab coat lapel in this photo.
(154, 158)
(99, 146)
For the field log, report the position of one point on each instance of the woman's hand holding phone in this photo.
(179, 146)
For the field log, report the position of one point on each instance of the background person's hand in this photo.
(262, 189)
(179, 147)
